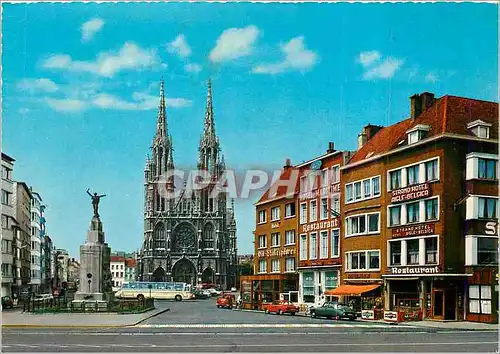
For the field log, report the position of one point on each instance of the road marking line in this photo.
(270, 325)
(270, 345)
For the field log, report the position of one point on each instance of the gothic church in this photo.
(190, 238)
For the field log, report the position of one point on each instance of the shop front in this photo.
(316, 283)
(482, 295)
(365, 299)
(259, 290)
(434, 298)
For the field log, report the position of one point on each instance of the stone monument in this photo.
(95, 274)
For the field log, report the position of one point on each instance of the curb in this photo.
(85, 326)
(149, 317)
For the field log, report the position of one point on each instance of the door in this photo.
(437, 304)
(450, 304)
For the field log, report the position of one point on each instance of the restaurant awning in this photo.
(351, 290)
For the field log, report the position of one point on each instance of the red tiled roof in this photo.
(117, 259)
(130, 262)
(448, 114)
(283, 189)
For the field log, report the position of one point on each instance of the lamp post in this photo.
(150, 287)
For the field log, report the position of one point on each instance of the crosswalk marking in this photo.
(269, 325)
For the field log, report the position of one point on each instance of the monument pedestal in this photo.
(95, 275)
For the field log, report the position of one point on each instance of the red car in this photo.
(225, 301)
(281, 307)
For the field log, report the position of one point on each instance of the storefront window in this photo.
(487, 250)
(412, 255)
(480, 299)
(308, 287)
(331, 280)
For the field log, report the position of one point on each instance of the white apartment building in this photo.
(8, 220)
(117, 271)
(36, 243)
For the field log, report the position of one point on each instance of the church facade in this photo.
(189, 234)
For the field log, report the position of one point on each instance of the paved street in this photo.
(199, 326)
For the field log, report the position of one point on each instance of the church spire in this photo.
(161, 125)
(209, 129)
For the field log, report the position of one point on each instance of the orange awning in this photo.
(351, 290)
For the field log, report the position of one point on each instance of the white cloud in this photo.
(234, 43)
(65, 105)
(432, 77)
(23, 110)
(378, 68)
(90, 28)
(141, 101)
(368, 58)
(37, 85)
(192, 68)
(106, 64)
(297, 57)
(179, 46)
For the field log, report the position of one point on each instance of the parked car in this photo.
(201, 294)
(280, 307)
(333, 310)
(233, 289)
(7, 302)
(215, 292)
(226, 301)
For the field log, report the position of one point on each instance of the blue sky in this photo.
(80, 87)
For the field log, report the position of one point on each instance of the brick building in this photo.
(275, 259)
(430, 235)
(319, 225)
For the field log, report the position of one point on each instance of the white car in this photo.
(233, 289)
(214, 292)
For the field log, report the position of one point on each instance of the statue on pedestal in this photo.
(95, 202)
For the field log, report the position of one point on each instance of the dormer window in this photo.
(480, 129)
(417, 133)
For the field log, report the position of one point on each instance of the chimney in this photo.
(288, 164)
(368, 132)
(331, 147)
(415, 106)
(427, 100)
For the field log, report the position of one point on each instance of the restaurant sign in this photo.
(320, 225)
(414, 230)
(414, 270)
(273, 252)
(410, 193)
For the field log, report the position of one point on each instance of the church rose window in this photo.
(185, 237)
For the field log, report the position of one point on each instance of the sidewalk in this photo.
(461, 326)
(17, 319)
(441, 325)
